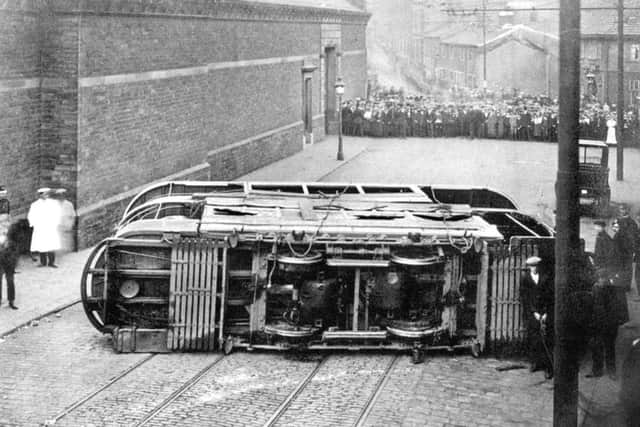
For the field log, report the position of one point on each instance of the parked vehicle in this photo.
(593, 176)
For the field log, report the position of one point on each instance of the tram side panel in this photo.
(196, 293)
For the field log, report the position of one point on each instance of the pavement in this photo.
(42, 292)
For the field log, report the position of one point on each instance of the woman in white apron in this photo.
(611, 131)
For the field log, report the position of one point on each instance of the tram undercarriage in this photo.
(197, 294)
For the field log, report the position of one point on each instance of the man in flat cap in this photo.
(536, 295)
(44, 217)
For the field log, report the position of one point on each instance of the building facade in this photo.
(104, 97)
(599, 54)
(518, 57)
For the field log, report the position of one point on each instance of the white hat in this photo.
(534, 260)
(43, 190)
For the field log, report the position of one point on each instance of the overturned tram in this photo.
(204, 266)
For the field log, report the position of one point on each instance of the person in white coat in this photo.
(44, 217)
(67, 220)
(611, 131)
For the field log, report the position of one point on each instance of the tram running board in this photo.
(354, 335)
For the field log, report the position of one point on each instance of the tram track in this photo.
(157, 409)
(376, 393)
(179, 392)
(295, 393)
(99, 390)
(288, 407)
(291, 404)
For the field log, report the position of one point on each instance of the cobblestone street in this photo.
(61, 371)
(78, 380)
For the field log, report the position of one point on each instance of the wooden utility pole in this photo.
(620, 102)
(567, 246)
(484, 46)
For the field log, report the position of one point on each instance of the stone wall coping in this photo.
(208, 9)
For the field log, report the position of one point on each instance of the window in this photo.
(634, 84)
(591, 50)
(635, 52)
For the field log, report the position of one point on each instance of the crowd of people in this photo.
(518, 117)
(53, 220)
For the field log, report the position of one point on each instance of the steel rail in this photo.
(294, 394)
(99, 390)
(179, 392)
(364, 414)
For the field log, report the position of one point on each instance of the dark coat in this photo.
(9, 250)
(536, 298)
(604, 251)
(629, 229)
(609, 307)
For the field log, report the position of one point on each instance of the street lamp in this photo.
(340, 92)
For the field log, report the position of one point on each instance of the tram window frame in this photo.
(279, 188)
(376, 189)
(331, 190)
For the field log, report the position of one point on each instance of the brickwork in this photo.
(19, 45)
(135, 44)
(20, 107)
(171, 124)
(218, 73)
(19, 126)
(353, 38)
(248, 157)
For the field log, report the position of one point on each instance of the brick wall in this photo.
(353, 38)
(129, 92)
(19, 45)
(243, 159)
(19, 106)
(19, 125)
(125, 44)
(171, 124)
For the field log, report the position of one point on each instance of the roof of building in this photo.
(468, 36)
(494, 39)
(323, 4)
